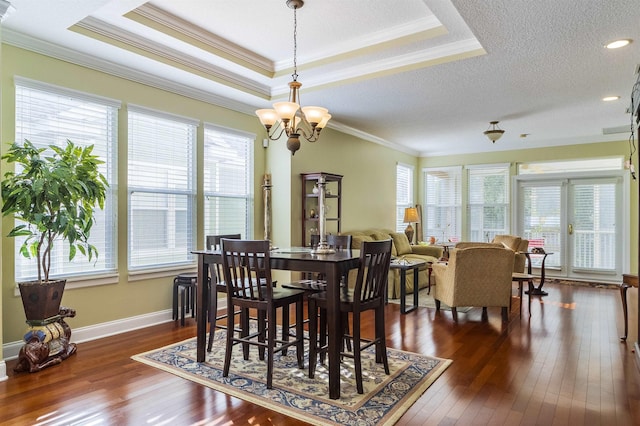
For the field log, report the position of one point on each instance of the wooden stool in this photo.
(184, 289)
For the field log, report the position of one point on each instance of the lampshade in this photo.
(411, 215)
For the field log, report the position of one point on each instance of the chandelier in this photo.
(494, 132)
(289, 117)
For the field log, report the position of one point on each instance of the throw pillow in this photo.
(356, 241)
(401, 243)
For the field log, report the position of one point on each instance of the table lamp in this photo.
(410, 215)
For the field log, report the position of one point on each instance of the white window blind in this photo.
(541, 215)
(404, 194)
(161, 189)
(228, 180)
(49, 115)
(443, 203)
(594, 222)
(488, 202)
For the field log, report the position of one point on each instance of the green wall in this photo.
(368, 184)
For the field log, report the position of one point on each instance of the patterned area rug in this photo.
(384, 401)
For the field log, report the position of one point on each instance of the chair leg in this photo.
(505, 314)
(454, 313)
(357, 360)
(381, 345)
(271, 343)
(262, 318)
(300, 333)
(313, 336)
(285, 326)
(485, 315)
(229, 346)
(437, 304)
(244, 331)
(175, 299)
(322, 338)
(183, 302)
(213, 316)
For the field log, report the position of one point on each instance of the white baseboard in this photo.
(3, 371)
(97, 331)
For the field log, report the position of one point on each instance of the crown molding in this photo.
(32, 44)
(163, 21)
(102, 31)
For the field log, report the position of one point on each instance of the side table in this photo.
(536, 291)
(409, 265)
(628, 280)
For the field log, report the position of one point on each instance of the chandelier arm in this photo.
(272, 131)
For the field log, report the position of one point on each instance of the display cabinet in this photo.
(310, 204)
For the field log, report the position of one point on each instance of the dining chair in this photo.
(212, 242)
(246, 268)
(367, 294)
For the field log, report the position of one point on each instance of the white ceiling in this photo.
(423, 76)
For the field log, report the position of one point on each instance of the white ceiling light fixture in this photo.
(494, 132)
(610, 98)
(616, 44)
(289, 117)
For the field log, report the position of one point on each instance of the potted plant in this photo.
(53, 193)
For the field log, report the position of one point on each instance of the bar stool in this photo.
(184, 289)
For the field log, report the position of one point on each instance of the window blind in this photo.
(404, 194)
(488, 202)
(49, 115)
(443, 203)
(228, 178)
(161, 189)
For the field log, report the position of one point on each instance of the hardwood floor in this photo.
(564, 365)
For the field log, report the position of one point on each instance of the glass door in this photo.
(579, 221)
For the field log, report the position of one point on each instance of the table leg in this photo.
(202, 296)
(623, 297)
(403, 291)
(334, 330)
(416, 276)
(537, 291)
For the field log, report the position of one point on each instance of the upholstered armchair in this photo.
(475, 276)
(517, 244)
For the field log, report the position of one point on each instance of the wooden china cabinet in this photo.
(333, 204)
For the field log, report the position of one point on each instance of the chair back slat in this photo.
(212, 242)
(339, 242)
(373, 273)
(246, 269)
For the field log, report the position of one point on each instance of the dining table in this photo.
(332, 265)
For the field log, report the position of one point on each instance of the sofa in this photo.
(517, 244)
(401, 248)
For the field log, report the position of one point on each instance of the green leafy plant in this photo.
(55, 195)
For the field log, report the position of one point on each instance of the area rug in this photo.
(384, 401)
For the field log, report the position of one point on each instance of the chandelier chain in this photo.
(295, 44)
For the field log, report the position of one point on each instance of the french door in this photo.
(580, 220)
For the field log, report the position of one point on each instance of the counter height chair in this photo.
(367, 294)
(246, 268)
(212, 242)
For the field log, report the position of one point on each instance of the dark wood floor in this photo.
(564, 365)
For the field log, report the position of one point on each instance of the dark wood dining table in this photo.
(333, 266)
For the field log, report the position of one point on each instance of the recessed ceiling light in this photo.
(610, 98)
(618, 43)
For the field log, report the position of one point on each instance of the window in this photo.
(443, 203)
(49, 115)
(488, 202)
(161, 189)
(404, 194)
(228, 180)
